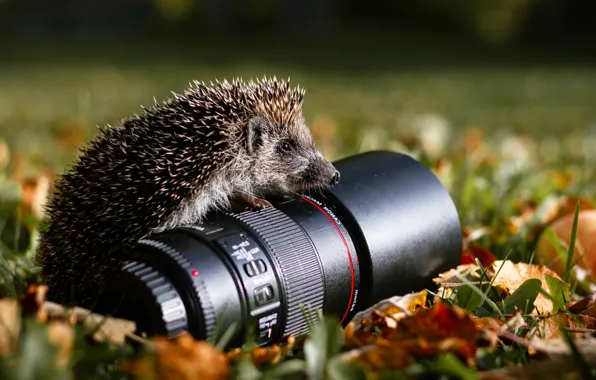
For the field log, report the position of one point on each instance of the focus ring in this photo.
(302, 275)
(165, 296)
(207, 308)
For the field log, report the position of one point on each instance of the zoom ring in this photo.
(164, 295)
(300, 266)
(207, 308)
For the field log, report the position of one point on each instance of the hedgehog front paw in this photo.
(258, 203)
(246, 202)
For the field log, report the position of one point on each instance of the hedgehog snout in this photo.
(330, 175)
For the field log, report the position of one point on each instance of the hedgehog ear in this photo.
(256, 126)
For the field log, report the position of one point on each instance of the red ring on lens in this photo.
(347, 251)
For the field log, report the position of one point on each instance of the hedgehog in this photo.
(222, 146)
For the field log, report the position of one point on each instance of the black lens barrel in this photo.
(386, 229)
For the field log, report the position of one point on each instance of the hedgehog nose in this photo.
(335, 178)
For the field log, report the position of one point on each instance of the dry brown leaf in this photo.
(487, 323)
(142, 368)
(488, 328)
(551, 369)
(34, 192)
(450, 278)
(10, 325)
(470, 234)
(32, 302)
(585, 306)
(526, 212)
(263, 355)
(377, 357)
(585, 243)
(181, 358)
(4, 154)
(389, 311)
(509, 278)
(104, 328)
(559, 347)
(566, 206)
(474, 147)
(426, 333)
(62, 335)
(266, 355)
(549, 328)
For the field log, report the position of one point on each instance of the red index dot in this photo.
(195, 272)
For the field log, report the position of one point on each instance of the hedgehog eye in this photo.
(285, 146)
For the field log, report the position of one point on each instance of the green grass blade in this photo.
(571, 251)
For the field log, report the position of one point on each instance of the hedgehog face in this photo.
(285, 159)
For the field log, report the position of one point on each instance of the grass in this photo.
(499, 138)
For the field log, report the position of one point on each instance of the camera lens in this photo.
(387, 228)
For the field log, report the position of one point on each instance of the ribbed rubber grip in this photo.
(207, 309)
(165, 296)
(301, 271)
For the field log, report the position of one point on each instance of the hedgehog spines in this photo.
(131, 178)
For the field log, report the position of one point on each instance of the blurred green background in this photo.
(372, 71)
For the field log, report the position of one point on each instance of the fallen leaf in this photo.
(560, 368)
(385, 313)
(34, 192)
(585, 306)
(474, 147)
(519, 147)
(470, 234)
(4, 154)
(504, 275)
(566, 206)
(440, 323)
(10, 325)
(526, 212)
(426, 333)
(512, 276)
(378, 357)
(482, 254)
(585, 243)
(271, 354)
(559, 347)
(181, 358)
(396, 308)
(488, 328)
(32, 302)
(62, 335)
(549, 328)
(103, 328)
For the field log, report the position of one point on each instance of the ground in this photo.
(512, 142)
